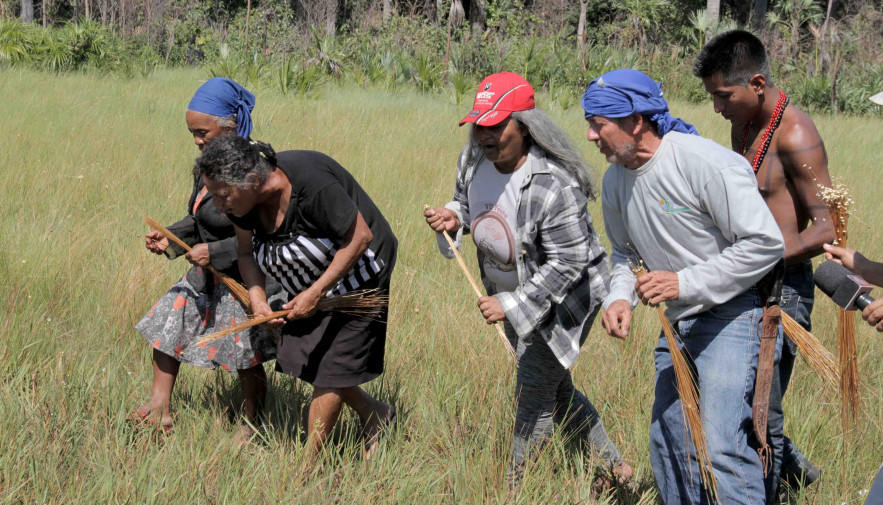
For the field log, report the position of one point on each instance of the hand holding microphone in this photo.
(848, 290)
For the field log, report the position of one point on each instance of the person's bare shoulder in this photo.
(797, 134)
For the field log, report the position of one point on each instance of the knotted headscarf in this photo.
(624, 92)
(220, 96)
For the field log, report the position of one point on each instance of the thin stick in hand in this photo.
(238, 290)
(497, 326)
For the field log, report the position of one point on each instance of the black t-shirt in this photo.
(325, 199)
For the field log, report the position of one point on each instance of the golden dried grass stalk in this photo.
(813, 351)
(364, 303)
(839, 204)
(688, 392)
(238, 290)
(849, 394)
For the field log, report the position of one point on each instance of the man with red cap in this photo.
(521, 191)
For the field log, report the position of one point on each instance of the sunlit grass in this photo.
(85, 158)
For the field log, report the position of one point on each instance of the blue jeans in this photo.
(798, 296)
(724, 344)
(546, 396)
(875, 495)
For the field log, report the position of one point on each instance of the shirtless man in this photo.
(789, 160)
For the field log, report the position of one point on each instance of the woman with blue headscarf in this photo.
(198, 304)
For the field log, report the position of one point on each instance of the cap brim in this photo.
(486, 117)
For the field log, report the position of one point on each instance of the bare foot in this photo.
(244, 435)
(147, 414)
(380, 422)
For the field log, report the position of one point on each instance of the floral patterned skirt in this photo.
(184, 315)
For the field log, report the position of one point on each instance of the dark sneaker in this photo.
(795, 478)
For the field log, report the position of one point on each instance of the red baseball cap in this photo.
(498, 96)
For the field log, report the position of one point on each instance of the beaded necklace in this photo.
(775, 119)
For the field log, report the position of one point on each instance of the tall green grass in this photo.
(85, 158)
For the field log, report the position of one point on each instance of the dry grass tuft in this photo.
(688, 392)
(813, 351)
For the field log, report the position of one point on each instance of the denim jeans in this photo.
(546, 396)
(723, 344)
(875, 495)
(797, 301)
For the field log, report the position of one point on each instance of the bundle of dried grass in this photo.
(364, 303)
(238, 290)
(688, 392)
(813, 351)
(839, 203)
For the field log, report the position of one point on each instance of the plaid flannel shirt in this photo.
(563, 271)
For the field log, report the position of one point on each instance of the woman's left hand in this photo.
(303, 305)
(491, 310)
(199, 255)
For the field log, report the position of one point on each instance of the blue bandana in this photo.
(222, 97)
(624, 92)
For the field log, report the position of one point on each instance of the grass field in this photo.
(84, 158)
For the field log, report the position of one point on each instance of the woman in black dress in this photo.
(304, 220)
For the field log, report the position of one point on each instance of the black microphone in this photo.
(844, 287)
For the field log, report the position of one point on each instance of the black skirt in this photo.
(335, 350)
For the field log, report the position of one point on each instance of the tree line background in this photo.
(826, 53)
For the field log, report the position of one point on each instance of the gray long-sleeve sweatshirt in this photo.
(694, 209)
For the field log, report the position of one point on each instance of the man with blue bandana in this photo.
(689, 209)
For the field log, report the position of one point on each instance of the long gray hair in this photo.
(542, 132)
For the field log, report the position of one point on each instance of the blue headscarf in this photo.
(220, 96)
(624, 92)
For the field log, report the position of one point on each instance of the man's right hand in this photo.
(441, 219)
(156, 242)
(617, 319)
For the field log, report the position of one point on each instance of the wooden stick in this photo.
(497, 325)
(238, 290)
(364, 303)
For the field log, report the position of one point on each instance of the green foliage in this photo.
(72, 46)
(461, 84)
(226, 65)
(255, 70)
(14, 42)
(301, 80)
(660, 37)
(326, 55)
(53, 51)
(427, 73)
